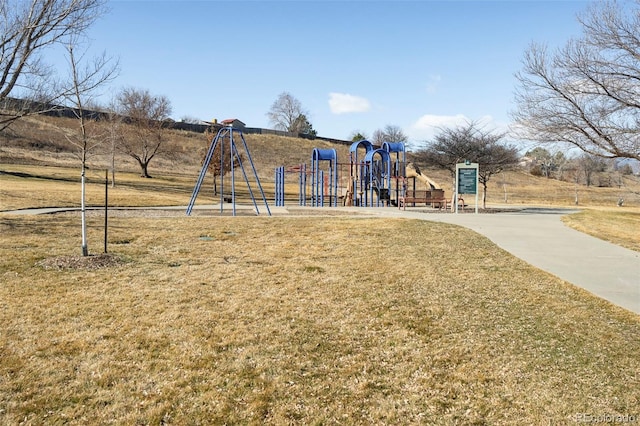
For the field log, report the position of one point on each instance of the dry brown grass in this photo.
(254, 320)
(42, 141)
(620, 226)
(24, 186)
(524, 189)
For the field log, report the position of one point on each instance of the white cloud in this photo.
(429, 121)
(343, 103)
(427, 126)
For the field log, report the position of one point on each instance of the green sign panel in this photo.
(467, 181)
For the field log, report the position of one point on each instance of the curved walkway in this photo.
(539, 237)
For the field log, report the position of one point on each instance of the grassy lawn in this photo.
(47, 186)
(620, 226)
(332, 320)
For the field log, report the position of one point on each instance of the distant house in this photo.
(233, 122)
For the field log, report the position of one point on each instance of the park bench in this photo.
(433, 198)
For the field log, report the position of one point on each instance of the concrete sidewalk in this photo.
(539, 237)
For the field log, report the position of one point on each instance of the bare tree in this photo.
(285, 112)
(586, 94)
(146, 134)
(378, 137)
(27, 29)
(493, 158)
(114, 136)
(589, 165)
(469, 142)
(84, 82)
(390, 133)
(394, 133)
(450, 146)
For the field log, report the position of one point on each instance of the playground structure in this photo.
(225, 143)
(318, 186)
(432, 195)
(411, 171)
(375, 176)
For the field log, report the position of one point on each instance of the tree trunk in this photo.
(484, 196)
(83, 213)
(113, 166)
(144, 166)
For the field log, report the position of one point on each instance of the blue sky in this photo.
(355, 66)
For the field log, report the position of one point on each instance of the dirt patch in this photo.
(91, 262)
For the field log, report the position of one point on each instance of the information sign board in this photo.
(466, 183)
(467, 180)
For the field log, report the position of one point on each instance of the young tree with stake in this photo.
(85, 79)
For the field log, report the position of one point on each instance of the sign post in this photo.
(466, 181)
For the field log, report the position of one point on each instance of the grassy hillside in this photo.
(45, 141)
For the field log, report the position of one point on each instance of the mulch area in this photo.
(91, 262)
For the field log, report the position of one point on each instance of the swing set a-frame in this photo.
(226, 143)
